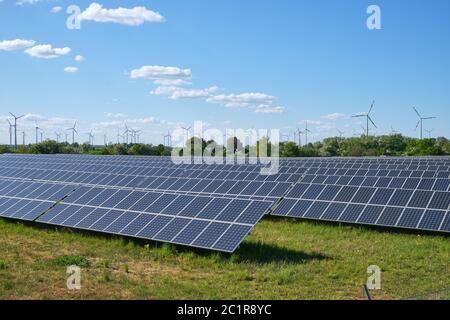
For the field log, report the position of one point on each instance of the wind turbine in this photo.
(368, 118)
(137, 135)
(186, 130)
(169, 139)
(37, 129)
(299, 133)
(23, 137)
(91, 138)
(363, 130)
(306, 131)
(285, 137)
(127, 131)
(420, 122)
(118, 135)
(58, 136)
(105, 138)
(10, 132)
(394, 132)
(15, 128)
(73, 132)
(341, 133)
(429, 131)
(65, 135)
(41, 133)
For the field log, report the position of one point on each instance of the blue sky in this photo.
(229, 63)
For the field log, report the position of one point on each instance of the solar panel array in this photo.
(216, 206)
(149, 198)
(411, 193)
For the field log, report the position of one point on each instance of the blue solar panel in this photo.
(174, 203)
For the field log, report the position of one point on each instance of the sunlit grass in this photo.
(282, 259)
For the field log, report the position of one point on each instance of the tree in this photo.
(289, 149)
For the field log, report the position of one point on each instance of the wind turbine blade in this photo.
(358, 116)
(417, 125)
(12, 115)
(429, 118)
(417, 112)
(372, 122)
(371, 107)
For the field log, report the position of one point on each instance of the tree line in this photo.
(388, 145)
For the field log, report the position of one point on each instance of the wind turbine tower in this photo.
(420, 122)
(11, 126)
(368, 118)
(15, 128)
(74, 130)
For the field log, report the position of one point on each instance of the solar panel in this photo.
(221, 225)
(388, 207)
(166, 215)
(216, 206)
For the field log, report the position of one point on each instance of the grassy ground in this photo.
(282, 259)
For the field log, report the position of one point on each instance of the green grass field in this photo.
(282, 259)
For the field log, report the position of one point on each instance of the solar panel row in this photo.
(216, 206)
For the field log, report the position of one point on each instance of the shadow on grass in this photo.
(248, 252)
(264, 253)
(355, 226)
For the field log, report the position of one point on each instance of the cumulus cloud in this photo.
(131, 17)
(242, 100)
(79, 58)
(171, 82)
(22, 2)
(268, 109)
(46, 51)
(258, 102)
(159, 73)
(335, 116)
(128, 121)
(116, 115)
(70, 69)
(164, 90)
(56, 9)
(192, 93)
(177, 93)
(17, 44)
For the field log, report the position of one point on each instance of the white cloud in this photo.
(22, 2)
(335, 116)
(70, 69)
(17, 44)
(56, 9)
(258, 102)
(160, 73)
(115, 115)
(121, 123)
(132, 17)
(170, 79)
(268, 109)
(177, 93)
(181, 93)
(46, 51)
(164, 90)
(79, 58)
(171, 82)
(242, 100)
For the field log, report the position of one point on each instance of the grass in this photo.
(282, 259)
